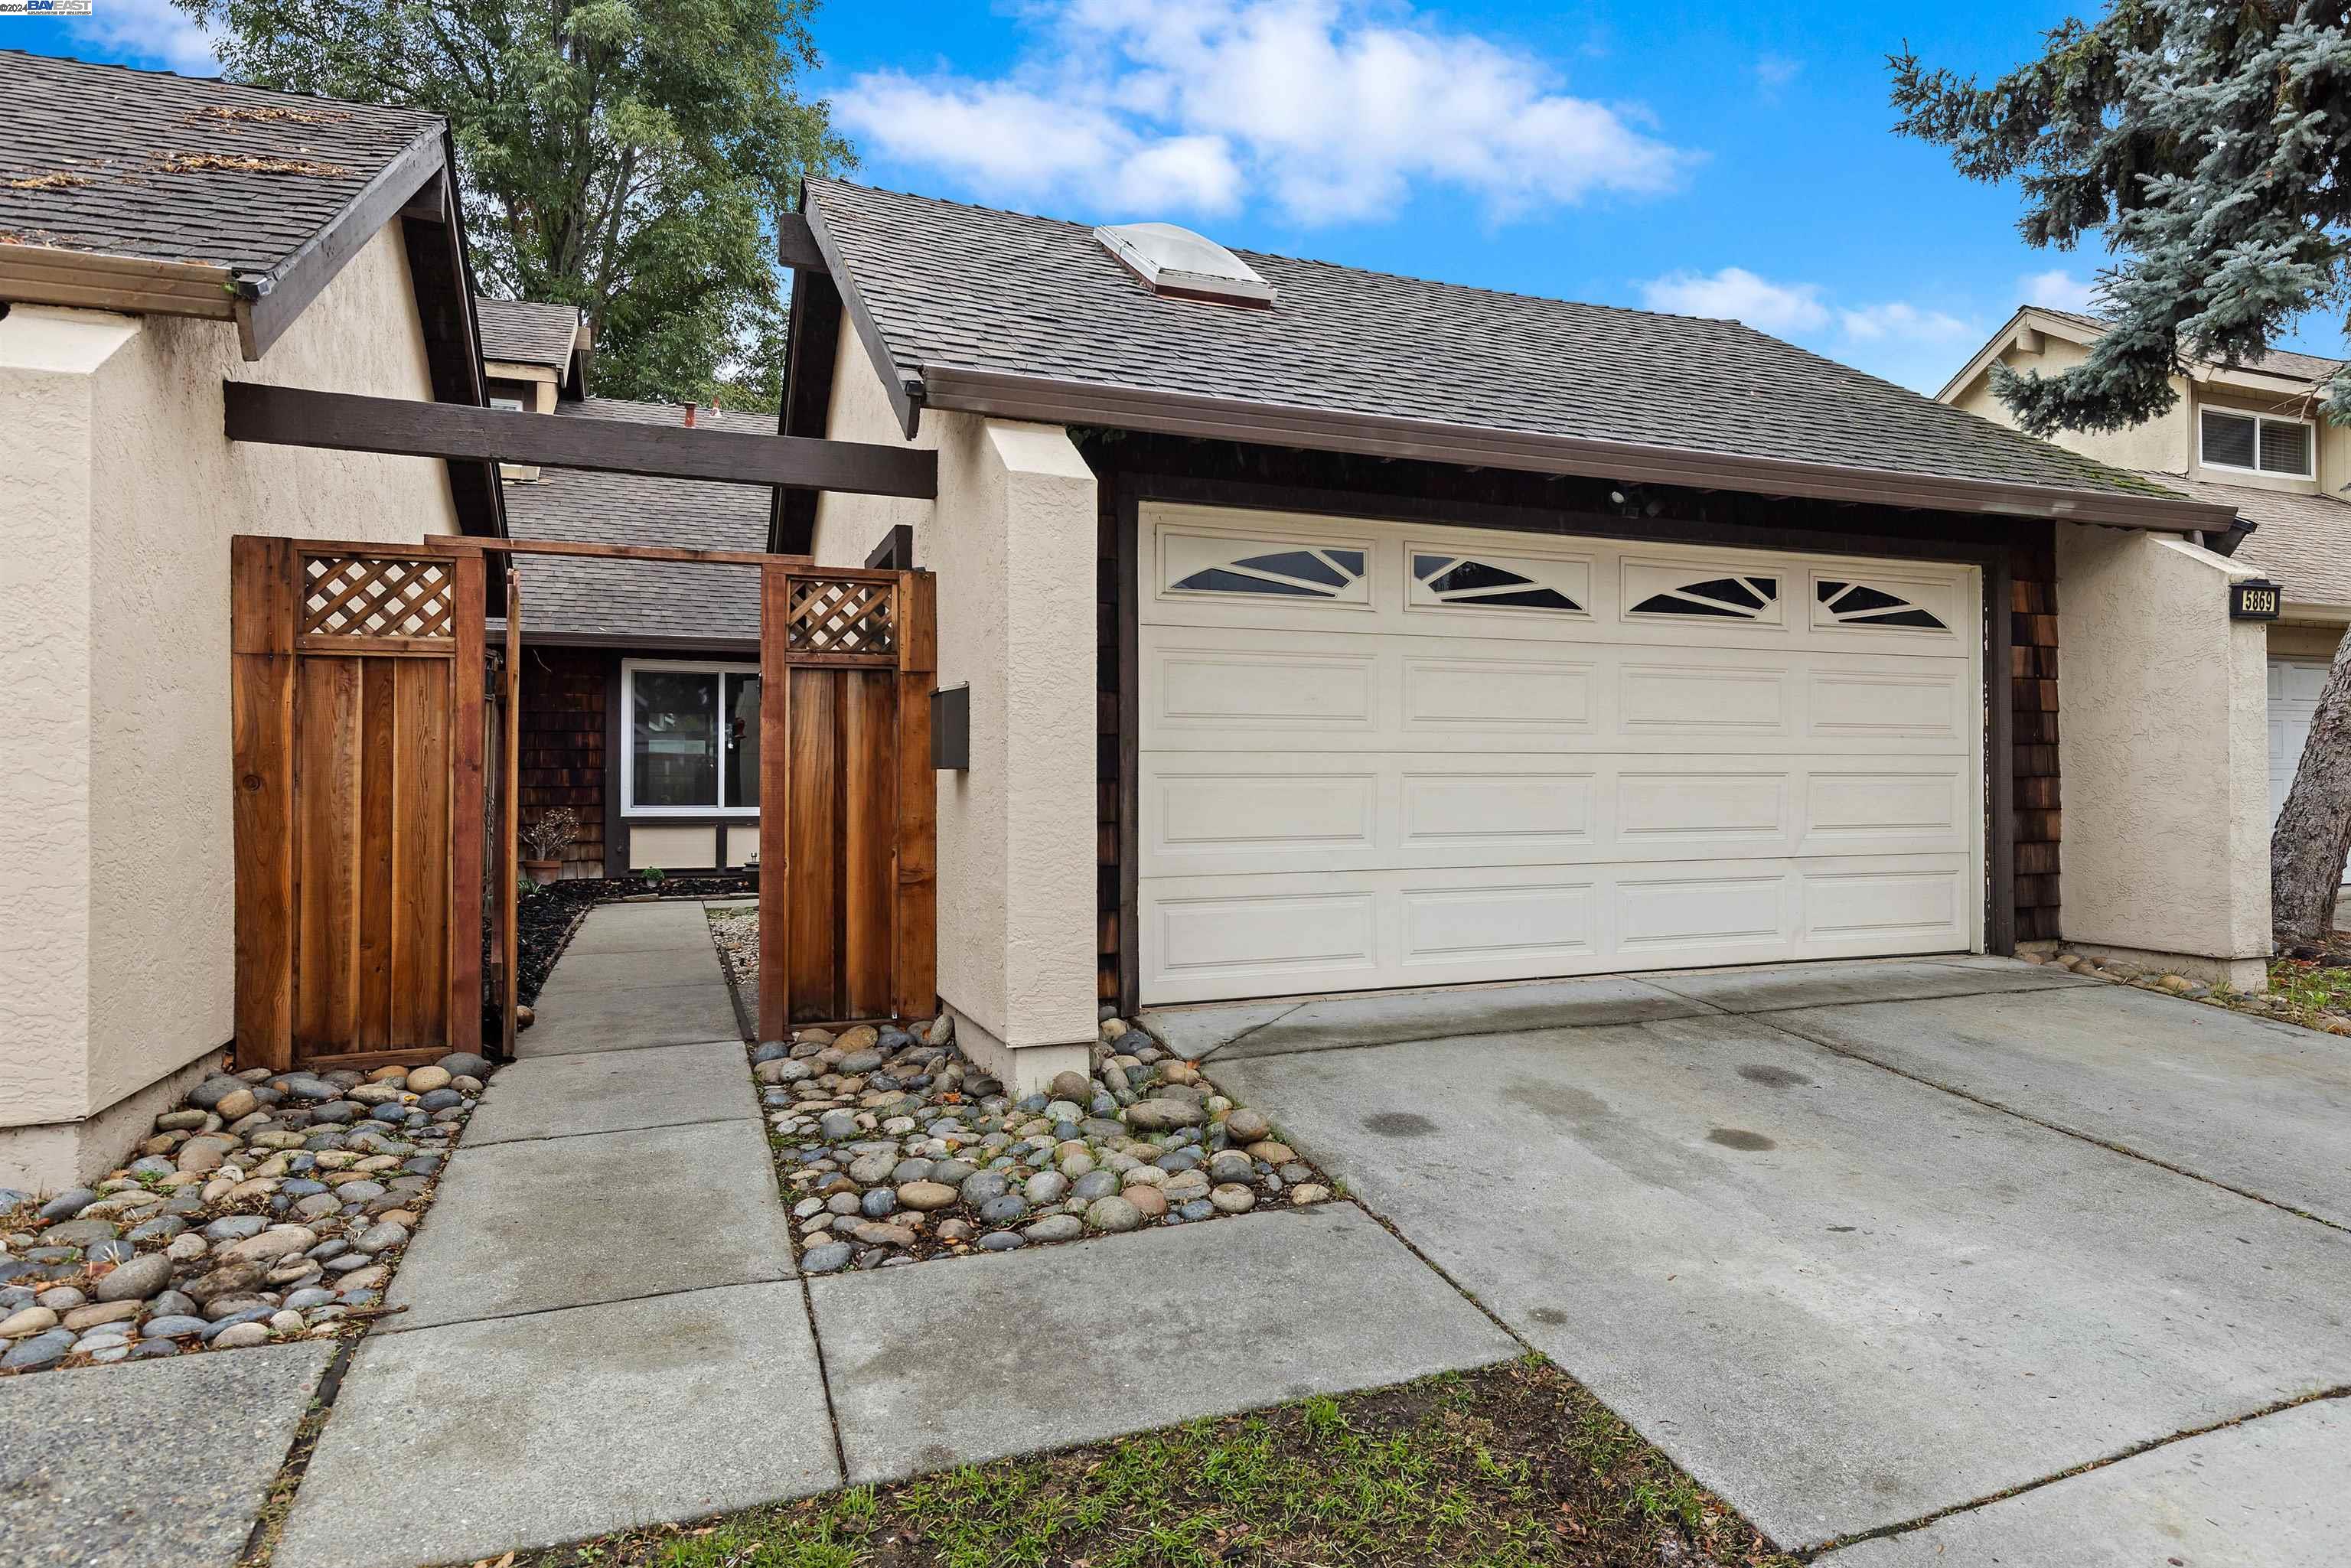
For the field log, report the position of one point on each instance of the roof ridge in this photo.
(220, 81)
(1300, 260)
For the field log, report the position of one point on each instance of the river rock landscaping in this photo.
(2314, 994)
(270, 1206)
(893, 1146)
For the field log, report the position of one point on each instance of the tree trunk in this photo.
(2313, 832)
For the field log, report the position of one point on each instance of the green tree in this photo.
(2207, 143)
(626, 156)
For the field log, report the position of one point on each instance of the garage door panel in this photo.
(1854, 908)
(1932, 704)
(1534, 811)
(1261, 813)
(1527, 696)
(1534, 928)
(1265, 692)
(1715, 757)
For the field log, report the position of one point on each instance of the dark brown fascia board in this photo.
(268, 304)
(906, 393)
(635, 641)
(1055, 401)
(90, 280)
(796, 247)
(442, 273)
(346, 422)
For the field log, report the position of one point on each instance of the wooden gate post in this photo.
(914, 957)
(466, 825)
(262, 618)
(775, 803)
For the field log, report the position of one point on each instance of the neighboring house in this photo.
(641, 681)
(2246, 436)
(1328, 631)
(157, 237)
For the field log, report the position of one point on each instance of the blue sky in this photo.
(1710, 159)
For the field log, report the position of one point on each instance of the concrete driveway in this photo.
(1860, 1245)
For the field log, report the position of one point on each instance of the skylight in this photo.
(1176, 261)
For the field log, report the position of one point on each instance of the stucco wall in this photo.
(2164, 751)
(2160, 443)
(116, 602)
(1012, 540)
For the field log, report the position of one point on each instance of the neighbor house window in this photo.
(2257, 443)
(509, 403)
(693, 739)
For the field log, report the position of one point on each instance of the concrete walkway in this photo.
(603, 1327)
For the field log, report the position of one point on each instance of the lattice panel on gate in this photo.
(841, 618)
(377, 596)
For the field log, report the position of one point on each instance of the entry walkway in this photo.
(603, 1327)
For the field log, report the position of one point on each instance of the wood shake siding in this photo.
(2032, 670)
(563, 731)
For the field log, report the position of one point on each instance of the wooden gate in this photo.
(847, 811)
(356, 700)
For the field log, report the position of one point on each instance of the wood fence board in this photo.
(913, 959)
(869, 811)
(425, 725)
(466, 828)
(327, 726)
(261, 726)
(774, 1022)
(378, 789)
(510, 868)
(814, 742)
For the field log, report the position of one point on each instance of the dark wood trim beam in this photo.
(430, 204)
(896, 552)
(796, 247)
(346, 422)
(814, 348)
(269, 304)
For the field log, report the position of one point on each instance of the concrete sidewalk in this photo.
(602, 1325)
(604, 1329)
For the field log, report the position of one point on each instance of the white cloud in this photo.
(144, 30)
(1896, 320)
(1915, 345)
(1332, 109)
(1737, 294)
(1774, 72)
(2058, 290)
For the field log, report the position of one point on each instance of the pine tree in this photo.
(626, 156)
(2209, 146)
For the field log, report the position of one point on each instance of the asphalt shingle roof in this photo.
(2300, 538)
(630, 599)
(525, 332)
(2277, 362)
(165, 168)
(978, 288)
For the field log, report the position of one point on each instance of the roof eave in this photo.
(95, 280)
(1057, 402)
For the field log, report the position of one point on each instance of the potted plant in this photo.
(546, 838)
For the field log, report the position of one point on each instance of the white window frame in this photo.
(2309, 447)
(511, 403)
(628, 807)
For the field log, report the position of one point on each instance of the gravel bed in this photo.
(269, 1207)
(893, 1147)
(2271, 1004)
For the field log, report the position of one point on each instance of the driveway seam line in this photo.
(2057, 1127)
(385, 1325)
(606, 1132)
(296, 1465)
(1839, 1543)
(621, 1050)
(808, 1297)
(1228, 1044)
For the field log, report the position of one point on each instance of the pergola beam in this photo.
(346, 422)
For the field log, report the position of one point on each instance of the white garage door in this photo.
(2295, 688)
(1381, 755)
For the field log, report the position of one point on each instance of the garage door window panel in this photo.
(1678, 591)
(1261, 568)
(1445, 580)
(1839, 603)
